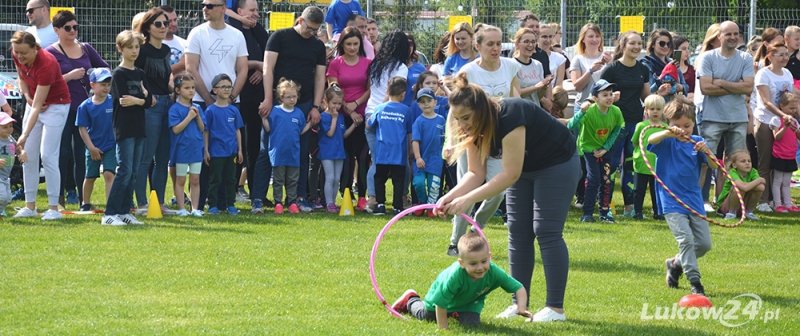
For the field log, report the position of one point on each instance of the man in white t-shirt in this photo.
(177, 44)
(38, 12)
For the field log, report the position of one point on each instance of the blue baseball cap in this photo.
(426, 92)
(99, 75)
(602, 85)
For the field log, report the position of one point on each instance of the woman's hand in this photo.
(458, 205)
(357, 118)
(664, 89)
(350, 107)
(596, 66)
(22, 139)
(75, 74)
(23, 156)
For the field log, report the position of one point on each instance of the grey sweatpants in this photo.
(694, 240)
(487, 208)
(417, 308)
(5, 193)
(538, 204)
(285, 176)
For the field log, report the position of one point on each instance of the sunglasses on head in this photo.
(160, 24)
(210, 6)
(70, 28)
(32, 9)
(665, 44)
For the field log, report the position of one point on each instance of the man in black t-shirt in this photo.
(296, 54)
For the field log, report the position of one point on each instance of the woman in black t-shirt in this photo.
(540, 170)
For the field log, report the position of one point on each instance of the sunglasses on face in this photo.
(32, 9)
(70, 28)
(160, 24)
(210, 6)
(663, 44)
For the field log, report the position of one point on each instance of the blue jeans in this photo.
(263, 169)
(156, 149)
(371, 138)
(426, 186)
(627, 182)
(129, 157)
(598, 181)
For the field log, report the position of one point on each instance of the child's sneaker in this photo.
(51, 214)
(182, 213)
(332, 208)
(232, 210)
(730, 215)
(794, 208)
(419, 212)
(302, 205)
(316, 205)
(548, 315)
(781, 209)
(638, 216)
(629, 213)
(607, 219)
(86, 207)
(697, 288)
(279, 209)
(362, 203)
(398, 211)
(294, 209)
(401, 305)
(660, 217)
(239, 198)
(112, 220)
(430, 213)
(452, 251)
(242, 192)
(674, 273)
(258, 208)
(129, 219)
(213, 211)
(72, 197)
(587, 219)
(197, 213)
(379, 210)
(751, 216)
(763, 207)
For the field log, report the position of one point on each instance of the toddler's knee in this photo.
(760, 188)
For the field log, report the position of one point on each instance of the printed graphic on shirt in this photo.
(219, 49)
(497, 89)
(8, 152)
(134, 88)
(175, 55)
(602, 133)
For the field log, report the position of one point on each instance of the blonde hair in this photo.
(787, 98)
(137, 20)
(560, 101)
(654, 101)
(484, 118)
(127, 37)
(470, 242)
(553, 25)
(480, 34)
(580, 47)
(734, 156)
(711, 35)
(285, 84)
(462, 26)
(518, 36)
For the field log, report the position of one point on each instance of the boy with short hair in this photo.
(427, 141)
(94, 121)
(642, 177)
(223, 122)
(599, 127)
(678, 164)
(392, 124)
(462, 287)
(8, 151)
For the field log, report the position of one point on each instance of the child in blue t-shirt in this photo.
(94, 121)
(427, 142)
(331, 143)
(223, 122)
(289, 124)
(392, 124)
(337, 15)
(430, 80)
(678, 164)
(187, 122)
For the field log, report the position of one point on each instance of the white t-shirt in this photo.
(177, 46)
(44, 36)
(556, 60)
(218, 50)
(497, 84)
(529, 75)
(437, 69)
(3, 102)
(583, 64)
(377, 92)
(777, 85)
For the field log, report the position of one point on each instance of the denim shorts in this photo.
(108, 160)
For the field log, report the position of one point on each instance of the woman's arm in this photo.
(763, 93)
(559, 75)
(516, 91)
(38, 102)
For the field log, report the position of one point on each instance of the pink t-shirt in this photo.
(786, 147)
(352, 79)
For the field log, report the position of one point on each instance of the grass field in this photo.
(308, 274)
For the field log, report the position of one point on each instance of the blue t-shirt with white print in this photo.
(284, 136)
(678, 165)
(331, 148)
(98, 120)
(392, 124)
(430, 134)
(221, 125)
(187, 146)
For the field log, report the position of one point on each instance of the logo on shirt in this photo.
(602, 133)
(296, 121)
(484, 291)
(111, 110)
(231, 119)
(219, 49)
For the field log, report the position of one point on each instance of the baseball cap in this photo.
(602, 85)
(217, 79)
(426, 92)
(5, 118)
(99, 75)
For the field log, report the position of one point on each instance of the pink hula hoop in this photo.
(710, 157)
(383, 232)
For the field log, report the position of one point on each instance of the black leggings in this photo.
(354, 146)
(538, 204)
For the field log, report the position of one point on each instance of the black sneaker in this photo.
(587, 219)
(697, 288)
(452, 251)
(86, 207)
(398, 211)
(607, 219)
(638, 216)
(660, 217)
(674, 273)
(379, 210)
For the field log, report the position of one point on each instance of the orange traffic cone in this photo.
(154, 208)
(347, 204)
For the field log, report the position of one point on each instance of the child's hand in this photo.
(207, 158)
(664, 89)
(585, 106)
(23, 156)
(192, 113)
(127, 100)
(97, 155)
(3, 162)
(420, 163)
(616, 95)
(524, 312)
(240, 158)
(598, 153)
(702, 147)
(447, 153)
(676, 131)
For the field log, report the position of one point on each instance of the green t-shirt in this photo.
(638, 162)
(596, 127)
(456, 291)
(751, 176)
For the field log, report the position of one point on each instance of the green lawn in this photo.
(309, 274)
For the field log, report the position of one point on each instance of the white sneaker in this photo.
(510, 312)
(140, 211)
(730, 215)
(182, 213)
(240, 199)
(197, 213)
(578, 205)
(763, 207)
(548, 315)
(708, 208)
(112, 220)
(51, 214)
(129, 219)
(25, 212)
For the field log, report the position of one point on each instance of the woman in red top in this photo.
(46, 112)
